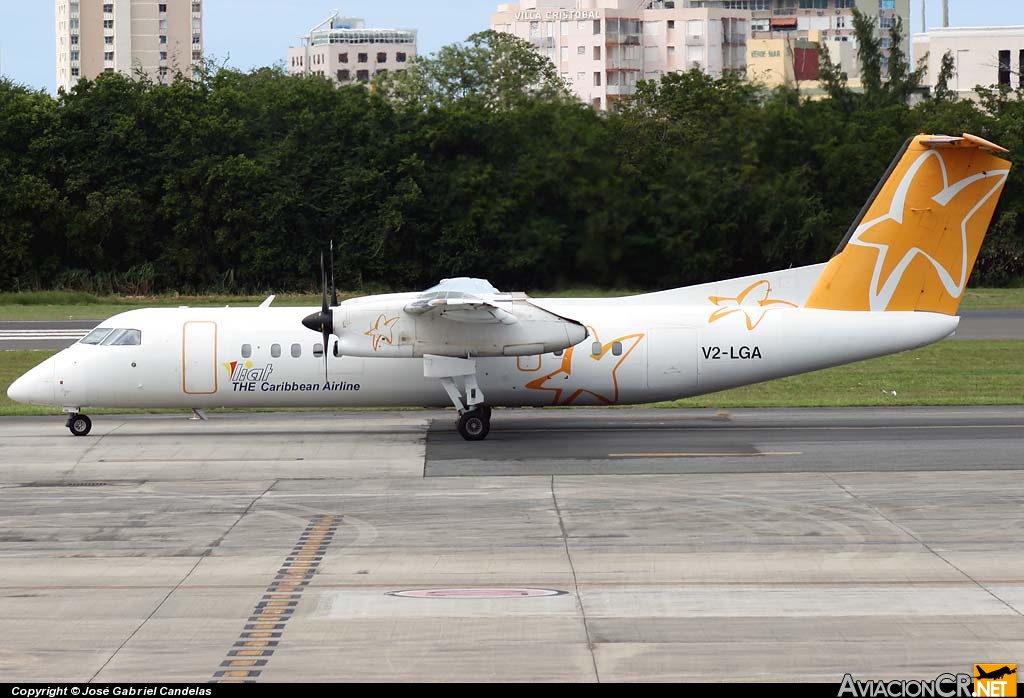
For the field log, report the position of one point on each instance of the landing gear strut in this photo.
(79, 424)
(474, 422)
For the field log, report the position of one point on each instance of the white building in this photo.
(603, 47)
(155, 37)
(984, 56)
(344, 50)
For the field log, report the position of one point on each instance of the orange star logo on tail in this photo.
(753, 301)
(920, 237)
(585, 372)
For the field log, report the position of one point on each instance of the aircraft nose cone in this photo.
(35, 387)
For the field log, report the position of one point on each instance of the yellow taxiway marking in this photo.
(705, 455)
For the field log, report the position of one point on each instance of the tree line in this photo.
(477, 161)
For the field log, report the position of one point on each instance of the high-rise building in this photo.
(604, 47)
(825, 20)
(345, 50)
(157, 38)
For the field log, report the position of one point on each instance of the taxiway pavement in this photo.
(790, 545)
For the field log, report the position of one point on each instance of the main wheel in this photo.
(79, 424)
(474, 425)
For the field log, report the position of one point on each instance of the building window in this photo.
(363, 75)
(400, 57)
(597, 27)
(342, 58)
(581, 76)
(162, 7)
(108, 56)
(1004, 68)
(671, 24)
(382, 57)
(108, 40)
(74, 72)
(363, 57)
(845, 4)
(296, 351)
(74, 39)
(1020, 69)
(814, 4)
(840, 21)
(597, 53)
(163, 40)
(163, 25)
(109, 7)
(695, 27)
(197, 55)
(597, 79)
(581, 50)
(887, 4)
(163, 55)
(108, 24)
(246, 351)
(344, 76)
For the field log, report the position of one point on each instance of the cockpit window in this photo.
(123, 338)
(96, 336)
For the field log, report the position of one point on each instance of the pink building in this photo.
(603, 47)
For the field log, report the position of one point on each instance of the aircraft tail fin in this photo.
(915, 242)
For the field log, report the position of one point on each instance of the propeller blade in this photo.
(334, 290)
(323, 321)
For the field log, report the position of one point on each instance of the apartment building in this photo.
(604, 47)
(982, 56)
(157, 38)
(345, 50)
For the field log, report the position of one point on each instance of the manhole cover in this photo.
(483, 593)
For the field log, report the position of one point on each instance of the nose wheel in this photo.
(79, 424)
(475, 424)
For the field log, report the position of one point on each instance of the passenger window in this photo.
(275, 351)
(296, 351)
(617, 348)
(595, 348)
(246, 351)
(318, 350)
(123, 338)
(96, 336)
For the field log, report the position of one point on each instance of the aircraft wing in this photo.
(463, 308)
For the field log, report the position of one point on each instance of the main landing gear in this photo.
(79, 424)
(474, 422)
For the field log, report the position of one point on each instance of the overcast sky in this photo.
(250, 33)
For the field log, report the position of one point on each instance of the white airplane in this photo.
(894, 284)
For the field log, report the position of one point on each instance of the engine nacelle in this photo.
(518, 328)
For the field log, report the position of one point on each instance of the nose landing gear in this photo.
(79, 424)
